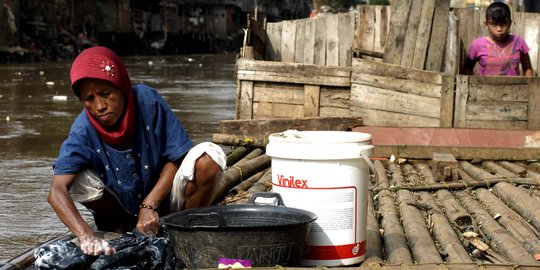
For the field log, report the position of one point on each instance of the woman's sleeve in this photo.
(173, 141)
(73, 157)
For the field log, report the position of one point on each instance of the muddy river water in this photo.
(35, 119)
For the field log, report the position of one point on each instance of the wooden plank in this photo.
(531, 36)
(508, 124)
(254, 127)
(384, 118)
(398, 30)
(273, 46)
(335, 97)
(312, 95)
(424, 35)
(412, 33)
(361, 66)
(493, 92)
(278, 110)
(496, 111)
(333, 111)
(365, 30)
(447, 101)
(309, 45)
(452, 51)
(426, 152)
(435, 51)
(244, 109)
(288, 39)
(497, 80)
(462, 95)
(300, 41)
(254, 70)
(319, 50)
(400, 85)
(369, 97)
(382, 26)
(346, 39)
(332, 39)
(533, 117)
(278, 93)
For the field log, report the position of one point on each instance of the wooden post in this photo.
(533, 110)
(444, 167)
(312, 94)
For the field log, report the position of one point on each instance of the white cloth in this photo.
(187, 170)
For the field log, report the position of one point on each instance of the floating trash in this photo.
(50, 83)
(7, 118)
(150, 63)
(41, 73)
(59, 98)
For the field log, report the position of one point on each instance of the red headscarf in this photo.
(102, 63)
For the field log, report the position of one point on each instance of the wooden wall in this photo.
(268, 89)
(497, 102)
(324, 40)
(393, 95)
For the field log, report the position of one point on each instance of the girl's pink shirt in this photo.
(498, 59)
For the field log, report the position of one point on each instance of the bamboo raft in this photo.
(488, 218)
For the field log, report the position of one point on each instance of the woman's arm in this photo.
(63, 205)
(148, 218)
(526, 65)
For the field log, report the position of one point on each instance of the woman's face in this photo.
(498, 31)
(102, 100)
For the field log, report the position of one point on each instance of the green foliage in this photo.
(379, 2)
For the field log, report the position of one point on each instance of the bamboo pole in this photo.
(397, 179)
(264, 184)
(236, 154)
(381, 174)
(395, 243)
(444, 232)
(456, 214)
(520, 201)
(500, 238)
(497, 169)
(411, 175)
(465, 176)
(373, 234)
(253, 154)
(474, 171)
(242, 140)
(425, 173)
(418, 237)
(522, 172)
(464, 185)
(512, 222)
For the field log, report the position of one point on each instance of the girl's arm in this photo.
(468, 67)
(526, 65)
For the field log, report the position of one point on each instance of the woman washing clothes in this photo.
(127, 158)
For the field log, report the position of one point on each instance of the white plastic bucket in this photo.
(327, 173)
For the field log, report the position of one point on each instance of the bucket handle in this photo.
(276, 199)
(372, 167)
(217, 218)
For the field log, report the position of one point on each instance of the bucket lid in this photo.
(319, 145)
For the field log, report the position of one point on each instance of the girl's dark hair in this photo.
(498, 13)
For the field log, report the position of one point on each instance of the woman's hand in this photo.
(96, 246)
(148, 221)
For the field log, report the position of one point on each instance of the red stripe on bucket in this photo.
(335, 252)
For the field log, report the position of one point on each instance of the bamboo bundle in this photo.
(246, 184)
(381, 174)
(263, 184)
(253, 154)
(512, 222)
(418, 236)
(525, 205)
(444, 232)
(235, 174)
(500, 239)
